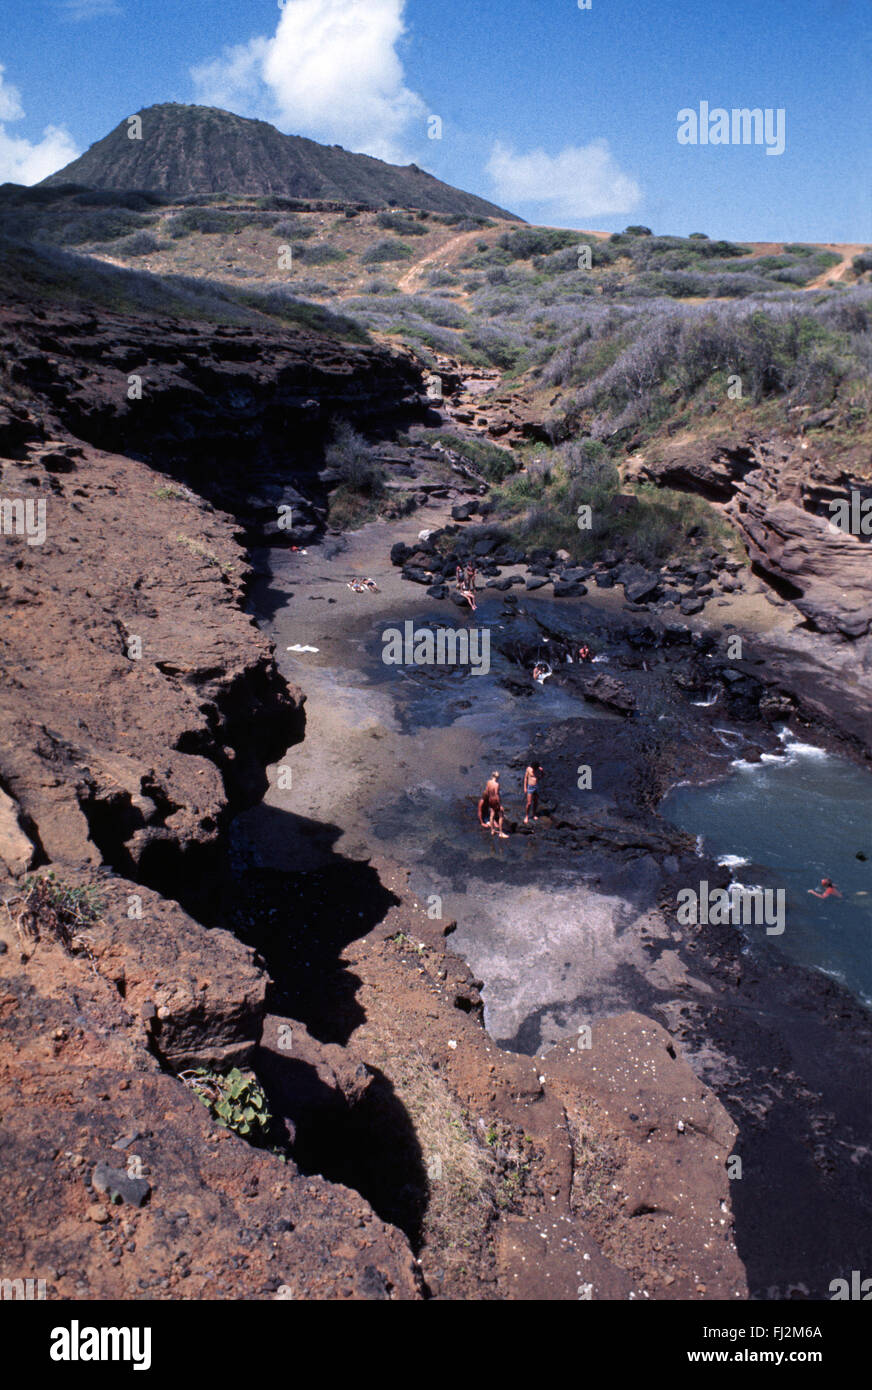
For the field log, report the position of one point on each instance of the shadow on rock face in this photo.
(301, 923)
(351, 1129)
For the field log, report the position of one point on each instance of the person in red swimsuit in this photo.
(830, 890)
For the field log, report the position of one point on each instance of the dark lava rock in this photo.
(609, 692)
(564, 590)
(416, 575)
(114, 1180)
(691, 605)
(639, 590)
(439, 591)
(462, 511)
(400, 553)
(535, 581)
(604, 581)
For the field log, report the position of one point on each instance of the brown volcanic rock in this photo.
(656, 1192)
(199, 992)
(127, 757)
(222, 1220)
(777, 495)
(611, 1110)
(136, 755)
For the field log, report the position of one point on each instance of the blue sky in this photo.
(568, 116)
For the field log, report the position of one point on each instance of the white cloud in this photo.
(580, 181)
(22, 161)
(331, 71)
(10, 100)
(88, 9)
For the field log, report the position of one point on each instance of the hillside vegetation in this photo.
(606, 343)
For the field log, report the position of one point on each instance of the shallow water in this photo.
(787, 822)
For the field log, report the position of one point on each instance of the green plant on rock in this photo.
(236, 1100)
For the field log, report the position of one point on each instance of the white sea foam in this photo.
(732, 861)
(805, 750)
(794, 747)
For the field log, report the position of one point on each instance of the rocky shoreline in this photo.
(729, 1009)
(411, 1157)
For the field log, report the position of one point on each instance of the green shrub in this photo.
(441, 278)
(103, 224)
(536, 241)
(386, 251)
(395, 222)
(289, 228)
(541, 509)
(493, 463)
(350, 455)
(139, 244)
(320, 254)
(207, 221)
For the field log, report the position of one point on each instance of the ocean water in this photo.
(786, 822)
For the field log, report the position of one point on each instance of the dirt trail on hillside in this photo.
(412, 280)
(836, 272)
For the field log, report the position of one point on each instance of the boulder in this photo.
(692, 604)
(642, 590)
(462, 511)
(16, 850)
(605, 690)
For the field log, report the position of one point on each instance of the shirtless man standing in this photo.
(532, 778)
(491, 801)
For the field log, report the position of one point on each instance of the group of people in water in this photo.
(491, 804)
(542, 670)
(491, 815)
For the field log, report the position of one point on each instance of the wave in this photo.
(796, 748)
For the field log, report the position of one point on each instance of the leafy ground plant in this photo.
(236, 1100)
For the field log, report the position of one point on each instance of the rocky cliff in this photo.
(140, 709)
(776, 491)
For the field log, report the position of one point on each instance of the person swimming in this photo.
(830, 890)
